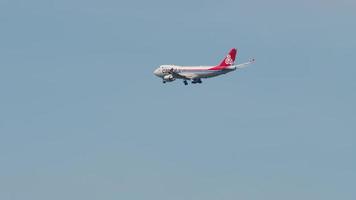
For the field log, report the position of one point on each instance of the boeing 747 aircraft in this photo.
(169, 73)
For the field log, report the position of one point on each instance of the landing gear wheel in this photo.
(195, 81)
(185, 82)
(163, 81)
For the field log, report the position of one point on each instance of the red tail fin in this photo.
(228, 60)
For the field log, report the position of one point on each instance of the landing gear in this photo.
(196, 81)
(163, 81)
(185, 82)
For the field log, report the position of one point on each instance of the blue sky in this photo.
(83, 117)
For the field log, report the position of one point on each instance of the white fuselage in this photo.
(191, 72)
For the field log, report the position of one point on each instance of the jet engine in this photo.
(169, 78)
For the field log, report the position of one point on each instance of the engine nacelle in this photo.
(169, 78)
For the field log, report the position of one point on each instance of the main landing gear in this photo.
(185, 82)
(196, 81)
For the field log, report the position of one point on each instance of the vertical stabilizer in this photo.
(229, 60)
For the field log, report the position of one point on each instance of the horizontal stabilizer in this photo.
(243, 65)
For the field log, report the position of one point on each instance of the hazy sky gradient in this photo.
(83, 117)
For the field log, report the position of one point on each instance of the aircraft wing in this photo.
(243, 65)
(182, 76)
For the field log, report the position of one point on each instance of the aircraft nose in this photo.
(156, 72)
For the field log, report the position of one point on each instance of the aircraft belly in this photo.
(211, 74)
(203, 74)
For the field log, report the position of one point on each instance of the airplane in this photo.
(170, 73)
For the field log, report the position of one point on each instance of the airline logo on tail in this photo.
(228, 60)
